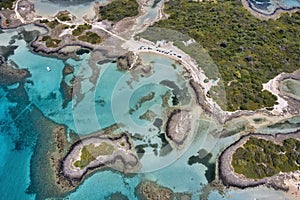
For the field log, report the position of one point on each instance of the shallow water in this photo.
(291, 87)
(249, 194)
(104, 103)
(79, 9)
(269, 6)
(17, 161)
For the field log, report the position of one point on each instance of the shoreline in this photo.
(131, 45)
(265, 16)
(229, 178)
(178, 126)
(75, 176)
(285, 102)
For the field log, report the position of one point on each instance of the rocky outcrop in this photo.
(126, 61)
(148, 190)
(122, 157)
(10, 75)
(179, 126)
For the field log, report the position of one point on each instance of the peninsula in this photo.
(260, 159)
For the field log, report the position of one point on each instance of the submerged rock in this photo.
(148, 190)
(10, 75)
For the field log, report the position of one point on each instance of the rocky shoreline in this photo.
(229, 178)
(123, 157)
(274, 15)
(10, 75)
(178, 126)
(148, 190)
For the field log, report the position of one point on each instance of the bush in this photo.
(259, 158)
(255, 51)
(118, 10)
(8, 4)
(64, 17)
(80, 29)
(50, 42)
(90, 37)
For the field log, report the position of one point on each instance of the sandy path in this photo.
(273, 87)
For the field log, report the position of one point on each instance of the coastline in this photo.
(198, 86)
(119, 160)
(229, 178)
(131, 45)
(265, 16)
(286, 104)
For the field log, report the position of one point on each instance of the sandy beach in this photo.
(273, 87)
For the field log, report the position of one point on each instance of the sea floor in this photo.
(115, 97)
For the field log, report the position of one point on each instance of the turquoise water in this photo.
(103, 184)
(143, 91)
(102, 103)
(18, 162)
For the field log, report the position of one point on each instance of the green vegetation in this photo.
(8, 4)
(80, 29)
(50, 42)
(90, 37)
(64, 17)
(64, 26)
(7, 21)
(260, 158)
(90, 153)
(50, 24)
(247, 51)
(118, 10)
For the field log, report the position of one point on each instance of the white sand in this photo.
(273, 87)
(294, 192)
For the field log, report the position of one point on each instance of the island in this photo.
(239, 64)
(96, 152)
(261, 159)
(179, 126)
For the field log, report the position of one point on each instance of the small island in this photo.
(246, 64)
(179, 126)
(99, 151)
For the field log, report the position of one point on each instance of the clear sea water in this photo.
(291, 87)
(79, 8)
(113, 90)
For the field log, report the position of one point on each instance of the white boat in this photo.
(48, 69)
